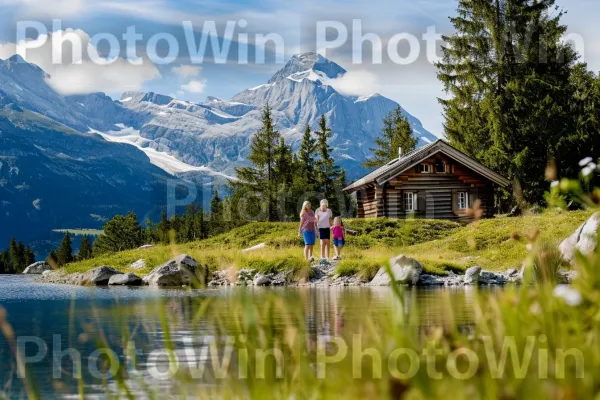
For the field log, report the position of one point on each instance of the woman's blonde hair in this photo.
(324, 201)
(304, 208)
(337, 221)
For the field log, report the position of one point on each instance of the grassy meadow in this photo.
(495, 244)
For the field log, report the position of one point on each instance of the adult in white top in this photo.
(324, 222)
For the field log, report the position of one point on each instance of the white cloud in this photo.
(7, 50)
(194, 86)
(81, 75)
(356, 83)
(51, 9)
(187, 71)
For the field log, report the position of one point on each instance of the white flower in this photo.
(585, 161)
(529, 246)
(554, 184)
(571, 296)
(589, 169)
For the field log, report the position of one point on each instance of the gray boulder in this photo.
(98, 276)
(472, 276)
(261, 280)
(491, 278)
(584, 239)
(429, 280)
(180, 271)
(37, 268)
(404, 270)
(125, 280)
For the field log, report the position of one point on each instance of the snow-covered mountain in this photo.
(216, 133)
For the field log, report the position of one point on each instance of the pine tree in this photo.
(187, 231)
(29, 257)
(164, 229)
(260, 178)
(306, 157)
(85, 248)
(216, 214)
(15, 260)
(64, 254)
(327, 172)
(4, 262)
(396, 134)
(200, 228)
(122, 232)
(507, 71)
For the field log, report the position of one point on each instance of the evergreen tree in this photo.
(163, 229)
(200, 229)
(85, 248)
(507, 73)
(187, 231)
(284, 173)
(327, 172)
(64, 254)
(29, 257)
(15, 260)
(4, 262)
(306, 157)
(396, 134)
(260, 178)
(122, 232)
(216, 215)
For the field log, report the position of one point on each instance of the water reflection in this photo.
(66, 317)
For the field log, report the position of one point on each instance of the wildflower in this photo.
(585, 161)
(554, 184)
(588, 169)
(571, 296)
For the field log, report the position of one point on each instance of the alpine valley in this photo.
(74, 161)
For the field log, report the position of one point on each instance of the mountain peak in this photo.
(310, 61)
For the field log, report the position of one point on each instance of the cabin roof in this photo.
(399, 165)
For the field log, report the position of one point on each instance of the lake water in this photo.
(70, 317)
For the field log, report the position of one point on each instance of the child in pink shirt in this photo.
(339, 233)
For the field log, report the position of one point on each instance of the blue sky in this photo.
(414, 85)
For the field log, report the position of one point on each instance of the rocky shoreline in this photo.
(185, 271)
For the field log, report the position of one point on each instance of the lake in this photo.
(50, 319)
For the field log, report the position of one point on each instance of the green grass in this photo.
(441, 246)
(497, 244)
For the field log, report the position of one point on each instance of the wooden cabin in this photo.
(435, 181)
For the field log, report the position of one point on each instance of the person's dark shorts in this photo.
(338, 242)
(324, 233)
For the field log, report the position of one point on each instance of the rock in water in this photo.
(584, 239)
(180, 271)
(405, 270)
(98, 276)
(429, 280)
(125, 280)
(37, 268)
(261, 280)
(472, 275)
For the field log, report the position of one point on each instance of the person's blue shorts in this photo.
(338, 242)
(309, 238)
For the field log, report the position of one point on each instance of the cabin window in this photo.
(463, 200)
(440, 166)
(425, 168)
(410, 201)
